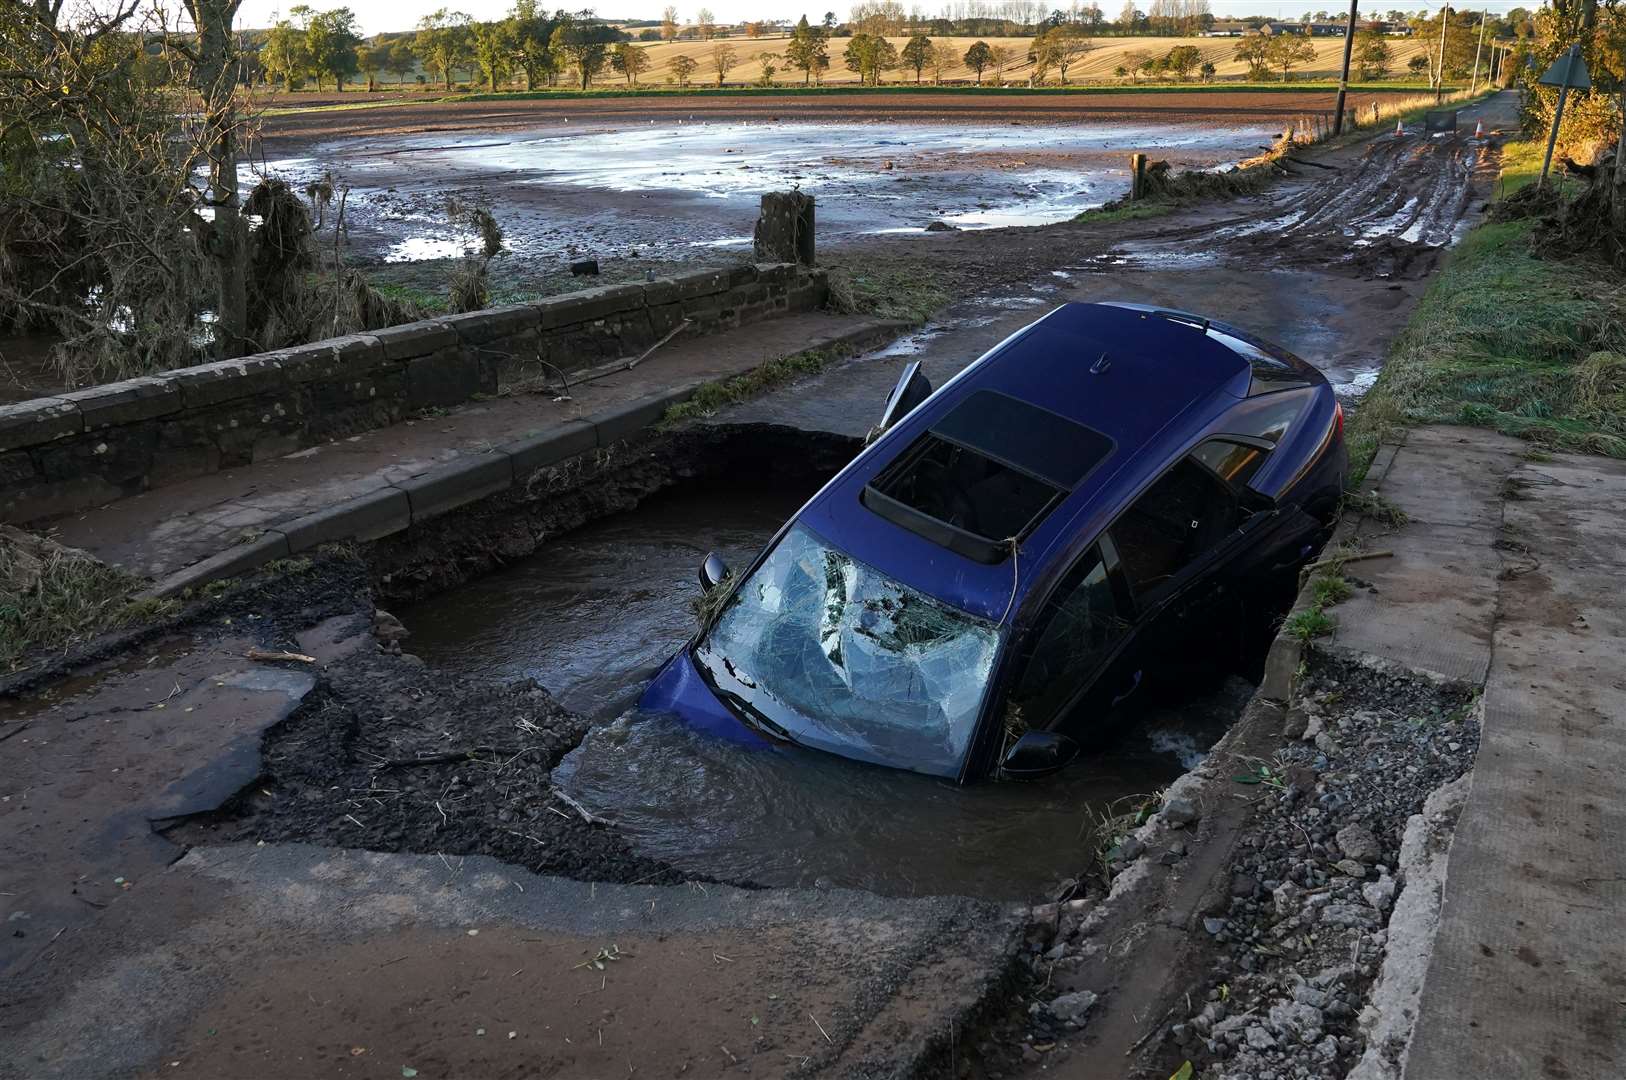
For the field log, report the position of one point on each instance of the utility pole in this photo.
(1439, 69)
(1343, 79)
(1479, 49)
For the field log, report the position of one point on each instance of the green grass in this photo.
(1310, 623)
(1521, 167)
(52, 598)
(713, 396)
(1531, 347)
(909, 289)
(1331, 590)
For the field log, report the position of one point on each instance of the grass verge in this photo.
(1531, 347)
(711, 397)
(52, 597)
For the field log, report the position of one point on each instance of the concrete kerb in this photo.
(394, 508)
(366, 517)
(466, 480)
(239, 559)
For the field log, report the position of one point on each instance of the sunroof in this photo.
(986, 474)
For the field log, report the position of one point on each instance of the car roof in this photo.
(1145, 379)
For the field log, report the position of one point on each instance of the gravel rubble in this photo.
(1302, 930)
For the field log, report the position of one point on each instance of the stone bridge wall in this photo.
(67, 452)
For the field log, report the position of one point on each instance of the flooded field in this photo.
(593, 615)
(685, 189)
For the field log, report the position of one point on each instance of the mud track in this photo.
(1386, 214)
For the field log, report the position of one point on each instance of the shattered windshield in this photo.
(842, 658)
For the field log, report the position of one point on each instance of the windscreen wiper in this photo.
(755, 715)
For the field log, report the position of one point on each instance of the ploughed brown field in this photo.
(399, 114)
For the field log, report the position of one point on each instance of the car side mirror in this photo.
(712, 571)
(1037, 754)
(912, 388)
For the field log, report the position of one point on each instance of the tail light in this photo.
(1338, 418)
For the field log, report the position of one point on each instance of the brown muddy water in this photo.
(593, 614)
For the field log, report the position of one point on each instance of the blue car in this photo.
(978, 590)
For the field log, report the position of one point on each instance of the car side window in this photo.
(1184, 515)
(1079, 624)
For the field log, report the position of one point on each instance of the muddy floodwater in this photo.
(676, 190)
(593, 614)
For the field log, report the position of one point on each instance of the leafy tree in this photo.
(1072, 44)
(330, 43)
(1182, 60)
(585, 44)
(1417, 65)
(724, 58)
(869, 55)
(919, 54)
(398, 60)
(494, 47)
(683, 67)
(1288, 51)
(1001, 56)
(1044, 54)
(1121, 71)
(442, 42)
(371, 59)
(630, 61)
(808, 50)
(1372, 54)
(1254, 50)
(531, 30)
(1138, 62)
(283, 55)
(705, 23)
(669, 24)
(978, 57)
(1207, 71)
(767, 60)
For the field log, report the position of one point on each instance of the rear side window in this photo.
(1185, 514)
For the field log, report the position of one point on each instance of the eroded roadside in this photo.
(388, 754)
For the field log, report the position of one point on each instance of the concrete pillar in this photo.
(784, 231)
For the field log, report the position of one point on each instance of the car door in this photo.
(1069, 664)
(1179, 540)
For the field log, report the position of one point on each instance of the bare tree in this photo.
(724, 59)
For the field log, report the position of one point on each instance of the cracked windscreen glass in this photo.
(825, 651)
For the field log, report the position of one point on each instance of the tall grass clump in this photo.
(52, 597)
(1504, 339)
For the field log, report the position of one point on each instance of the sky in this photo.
(379, 15)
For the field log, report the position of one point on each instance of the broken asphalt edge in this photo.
(1136, 889)
(396, 507)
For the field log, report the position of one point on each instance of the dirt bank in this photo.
(292, 133)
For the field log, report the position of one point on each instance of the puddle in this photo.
(674, 190)
(594, 613)
(793, 817)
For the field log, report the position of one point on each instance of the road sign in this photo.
(1576, 78)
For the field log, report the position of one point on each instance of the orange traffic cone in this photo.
(1479, 129)
(1400, 128)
